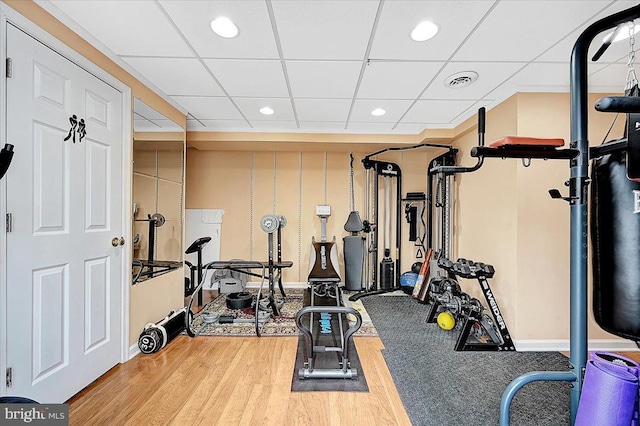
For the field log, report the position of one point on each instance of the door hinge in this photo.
(9, 377)
(9, 222)
(9, 67)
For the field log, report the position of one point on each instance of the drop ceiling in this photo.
(323, 66)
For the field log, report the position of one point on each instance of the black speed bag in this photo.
(615, 235)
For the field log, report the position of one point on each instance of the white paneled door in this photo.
(64, 195)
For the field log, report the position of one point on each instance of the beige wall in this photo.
(543, 223)
(485, 213)
(157, 188)
(153, 299)
(222, 180)
(507, 218)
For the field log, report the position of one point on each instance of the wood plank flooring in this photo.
(233, 381)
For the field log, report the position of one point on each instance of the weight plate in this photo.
(150, 340)
(239, 300)
(269, 223)
(158, 219)
(283, 221)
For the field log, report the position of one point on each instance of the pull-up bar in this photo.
(405, 148)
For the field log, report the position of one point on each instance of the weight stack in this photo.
(353, 261)
(156, 336)
(387, 277)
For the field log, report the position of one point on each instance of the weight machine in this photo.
(375, 170)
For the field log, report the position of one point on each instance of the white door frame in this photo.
(8, 15)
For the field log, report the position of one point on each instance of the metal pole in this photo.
(578, 224)
(374, 260)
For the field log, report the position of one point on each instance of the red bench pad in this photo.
(513, 141)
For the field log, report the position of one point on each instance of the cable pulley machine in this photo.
(375, 170)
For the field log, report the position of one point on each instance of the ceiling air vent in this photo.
(461, 79)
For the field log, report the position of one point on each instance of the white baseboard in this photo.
(134, 351)
(614, 345)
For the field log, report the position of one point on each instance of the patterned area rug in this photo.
(283, 325)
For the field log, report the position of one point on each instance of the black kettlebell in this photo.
(415, 268)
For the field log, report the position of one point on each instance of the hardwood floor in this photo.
(233, 381)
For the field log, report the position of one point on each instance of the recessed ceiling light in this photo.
(424, 31)
(623, 33)
(378, 112)
(224, 27)
(266, 110)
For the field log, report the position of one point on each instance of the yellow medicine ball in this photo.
(446, 321)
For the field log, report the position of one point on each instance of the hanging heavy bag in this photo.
(615, 234)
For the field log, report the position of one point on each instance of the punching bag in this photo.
(615, 235)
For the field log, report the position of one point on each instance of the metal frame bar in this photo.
(578, 223)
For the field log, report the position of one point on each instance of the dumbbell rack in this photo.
(473, 313)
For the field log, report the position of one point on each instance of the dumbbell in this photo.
(484, 270)
(445, 264)
(463, 270)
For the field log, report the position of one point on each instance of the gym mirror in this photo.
(158, 176)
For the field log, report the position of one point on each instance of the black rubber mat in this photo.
(329, 359)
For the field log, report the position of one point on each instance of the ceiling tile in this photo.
(394, 108)
(144, 125)
(472, 110)
(250, 107)
(609, 78)
(250, 78)
(410, 127)
(521, 30)
(167, 124)
(455, 20)
(177, 76)
(545, 77)
(324, 29)
(209, 108)
(440, 111)
(318, 79)
(562, 51)
(397, 80)
(322, 109)
(145, 111)
(489, 76)
(323, 126)
(141, 27)
(193, 124)
(274, 125)
(255, 38)
(361, 127)
(225, 125)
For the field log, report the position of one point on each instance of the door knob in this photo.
(117, 241)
